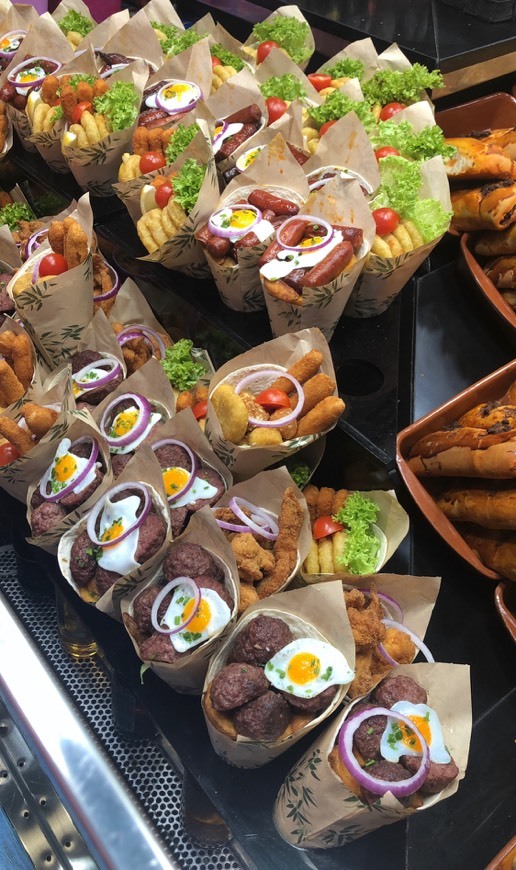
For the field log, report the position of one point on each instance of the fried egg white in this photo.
(175, 478)
(115, 518)
(124, 422)
(306, 667)
(65, 468)
(398, 739)
(212, 615)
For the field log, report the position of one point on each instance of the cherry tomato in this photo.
(150, 161)
(386, 151)
(78, 111)
(271, 400)
(8, 454)
(163, 194)
(264, 49)
(320, 81)
(386, 220)
(325, 127)
(200, 410)
(215, 61)
(391, 109)
(52, 264)
(275, 108)
(325, 526)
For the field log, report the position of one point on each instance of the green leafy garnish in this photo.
(76, 22)
(187, 183)
(403, 86)
(361, 547)
(347, 67)
(289, 33)
(14, 212)
(286, 87)
(400, 187)
(143, 669)
(299, 473)
(336, 105)
(181, 137)
(57, 114)
(119, 104)
(179, 367)
(77, 78)
(227, 58)
(429, 142)
(177, 40)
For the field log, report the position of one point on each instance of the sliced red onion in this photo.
(161, 100)
(28, 64)
(102, 297)
(309, 220)
(35, 240)
(112, 70)
(114, 370)
(418, 643)
(230, 527)
(91, 523)
(12, 51)
(173, 584)
(77, 480)
(145, 410)
(284, 421)
(138, 331)
(366, 780)
(193, 461)
(232, 232)
(270, 528)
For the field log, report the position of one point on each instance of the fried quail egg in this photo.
(212, 615)
(124, 422)
(65, 468)
(306, 667)
(398, 739)
(176, 478)
(115, 518)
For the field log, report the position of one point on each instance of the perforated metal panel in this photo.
(143, 763)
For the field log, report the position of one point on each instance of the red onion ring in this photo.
(229, 233)
(284, 421)
(113, 373)
(196, 594)
(371, 783)
(193, 461)
(80, 477)
(94, 514)
(33, 241)
(139, 331)
(270, 531)
(144, 407)
(418, 643)
(309, 220)
(20, 33)
(179, 109)
(222, 131)
(28, 63)
(102, 297)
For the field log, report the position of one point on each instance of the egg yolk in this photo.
(313, 240)
(252, 157)
(113, 532)
(218, 129)
(27, 77)
(64, 467)
(303, 668)
(409, 738)
(124, 422)
(202, 617)
(242, 218)
(175, 479)
(175, 92)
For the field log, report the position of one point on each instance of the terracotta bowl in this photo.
(484, 284)
(491, 112)
(505, 603)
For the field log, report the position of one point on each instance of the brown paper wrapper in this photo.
(383, 278)
(9, 251)
(95, 168)
(164, 12)
(188, 673)
(245, 461)
(315, 810)
(137, 39)
(78, 426)
(251, 44)
(145, 469)
(277, 63)
(393, 522)
(317, 611)
(347, 145)
(219, 35)
(339, 202)
(361, 49)
(239, 283)
(105, 31)
(66, 6)
(47, 307)
(131, 306)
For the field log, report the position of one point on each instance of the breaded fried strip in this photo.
(18, 437)
(302, 370)
(311, 494)
(315, 389)
(290, 521)
(7, 343)
(39, 419)
(322, 417)
(324, 501)
(75, 243)
(10, 385)
(339, 500)
(22, 359)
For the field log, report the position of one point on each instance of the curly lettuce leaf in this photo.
(286, 87)
(187, 184)
(361, 547)
(429, 142)
(14, 212)
(289, 33)
(402, 86)
(347, 67)
(179, 367)
(400, 189)
(177, 40)
(180, 139)
(226, 57)
(430, 218)
(74, 21)
(119, 104)
(336, 105)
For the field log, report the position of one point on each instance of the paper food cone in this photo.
(219, 35)
(143, 468)
(362, 50)
(188, 673)
(79, 426)
(290, 125)
(66, 6)
(239, 283)
(47, 307)
(245, 461)
(338, 202)
(315, 810)
(346, 145)
(383, 278)
(105, 31)
(277, 63)
(137, 39)
(251, 44)
(318, 612)
(163, 12)
(392, 521)
(9, 251)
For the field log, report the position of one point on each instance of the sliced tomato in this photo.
(200, 410)
(215, 61)
(163, 194)
(386, 220)
(275, 108)
(264, 49)
(386, 151)
(271, 399)
(52, 264)
(150, 161)
(325, 127)
(325, 526)
(320, 81)
(391, 109)
(79, 109)
(8, 454)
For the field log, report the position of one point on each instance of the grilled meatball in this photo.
(265, 718)
(104, 580)
(311, 705)
(75, 499)
(84, 358)
(367, 737)
(45, 517)
(83, 564)
(190, 560)
(438, 776)
(173, 456)
(119, 461)
(142, 607)
(399, 688)
(158, 648)
(260, 640)
(237, 684)
(388, 771)
(152, 534)
(178, 517)
(222, 592)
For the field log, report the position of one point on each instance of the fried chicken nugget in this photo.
(84, 92)
(22, 359)
(367, 629)
(49, 89)
(155, 140)
(75, 245)
(10, 384)
(141, 141)
(302, 370)
(100, 87)
(201, 393)
(339, 500)
(248, 596)
(399, 646)
(56, 234)
(69, 101)
(363, 681)
(231, 412)
(285, 551)
(324, 501)
(253, 561)
(322, 417)
(264, 437)
(18, 437)
(184, 400)
(311, 494)
(38, 418)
